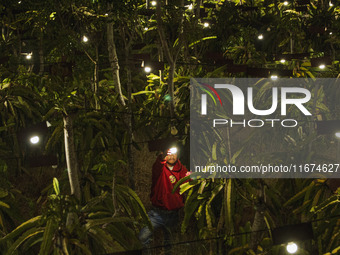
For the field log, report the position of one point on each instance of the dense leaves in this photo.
(56, 60)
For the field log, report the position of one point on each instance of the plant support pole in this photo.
(71, 159)
(113, 58)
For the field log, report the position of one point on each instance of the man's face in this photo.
(171, 159)
(171, 156)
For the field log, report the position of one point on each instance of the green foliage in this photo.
(59, 79)
(93, 227)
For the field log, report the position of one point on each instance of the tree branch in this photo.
(161, 33)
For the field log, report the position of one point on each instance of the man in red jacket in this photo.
(166, 172)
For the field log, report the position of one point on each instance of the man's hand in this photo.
(166, 154)
(162, 155)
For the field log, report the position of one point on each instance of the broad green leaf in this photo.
(56, 186)
(185, 187)
(202, 40)
(1, 221)
(317, 197)
(229, 196)
(213, 154)
(209, 215)
(29, 233)
(94, 201)
(186, 178)
(233, 159)
(24, 226)
(85, 250)
(299, 195)
(189, 210)
(202, 186)
(142, 92)
(52, 15)
(238, 250)
(333, 200)
(302, 208)
(130, 194)
(214, 192)
(336, 250)
(103, 238)
(3, 193)
(98, 222)
(3, 204)
(48, 236)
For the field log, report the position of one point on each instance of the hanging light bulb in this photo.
(337, 134)
(285, 3)
(260, 37)
(190, 7)
(292, 248)
(147, 69)
(153, 3)
(273, 77)
(282, 60)
(29, 56)
(206, 24)
(322, 66)
(34, 139)
(85, 39)
(330, 4)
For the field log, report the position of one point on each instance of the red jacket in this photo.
(163, 181)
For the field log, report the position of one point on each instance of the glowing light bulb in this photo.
(34, 139)
(282, 60)
(273, 77)
(322, 66)
(172, 150)
(146, 28)
(337, 134)
(330, 33)
(330, 4)
(147, 69)
(29, 56)
(190, 7)
(292, 248)
(285, 3)
(153, 3)
(206, 24)
(260, 37)
(85, 39)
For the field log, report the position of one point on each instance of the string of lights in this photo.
(320, 62)
(178, 136)
(232, 235)
(134, 114)
(307, 120)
